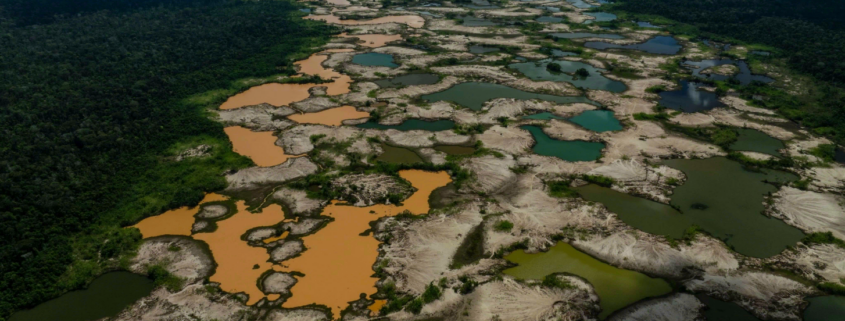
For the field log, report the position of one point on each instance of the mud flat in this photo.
(338, 262)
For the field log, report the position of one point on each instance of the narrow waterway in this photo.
(573, 151)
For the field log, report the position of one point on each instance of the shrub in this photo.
(561, 189)
(504, 226)
(599, 180)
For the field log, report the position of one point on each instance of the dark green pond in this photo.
(615, 287)
(718, 196)
(549, 19)
(537, 70)
(727, 201)
(561, 53)
(578, 35)
(455, 149)
(408, 80)
(374, 59)
(473, 95)
(600, 17)
(477, 22)
(597, 121)
(718, 310)
(744, 76)
(823, 308)
(757, 141)
(580, 4)
(476, 49)
(412, 124)
(398, 155)
(551, 9)
(646, 24)
(689, 99)
(640, 213)
(663, 45)
(106, 296)
(573, 151)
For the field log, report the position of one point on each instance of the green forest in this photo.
(96, 99)
(808, 35)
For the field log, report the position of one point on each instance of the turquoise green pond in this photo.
(536, 70)
(473, 95)
(573, 151)
(412, 124)
(757, 141)
(823, 308)
(374, 59)
(727, 201)
(597, 121)
(640, 213)
(106, 296)
(616, 288)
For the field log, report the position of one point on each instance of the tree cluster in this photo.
(91, 102)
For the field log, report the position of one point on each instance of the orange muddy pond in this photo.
(174, 222)
(338, 262)
(313, 66)
(373, 40)
(410, 20)
(330, 117)
(239, 265)
(259, 146)
(272, 93)
(285, 94)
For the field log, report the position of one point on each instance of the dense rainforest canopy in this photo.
(91, 104)
(810, 35)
